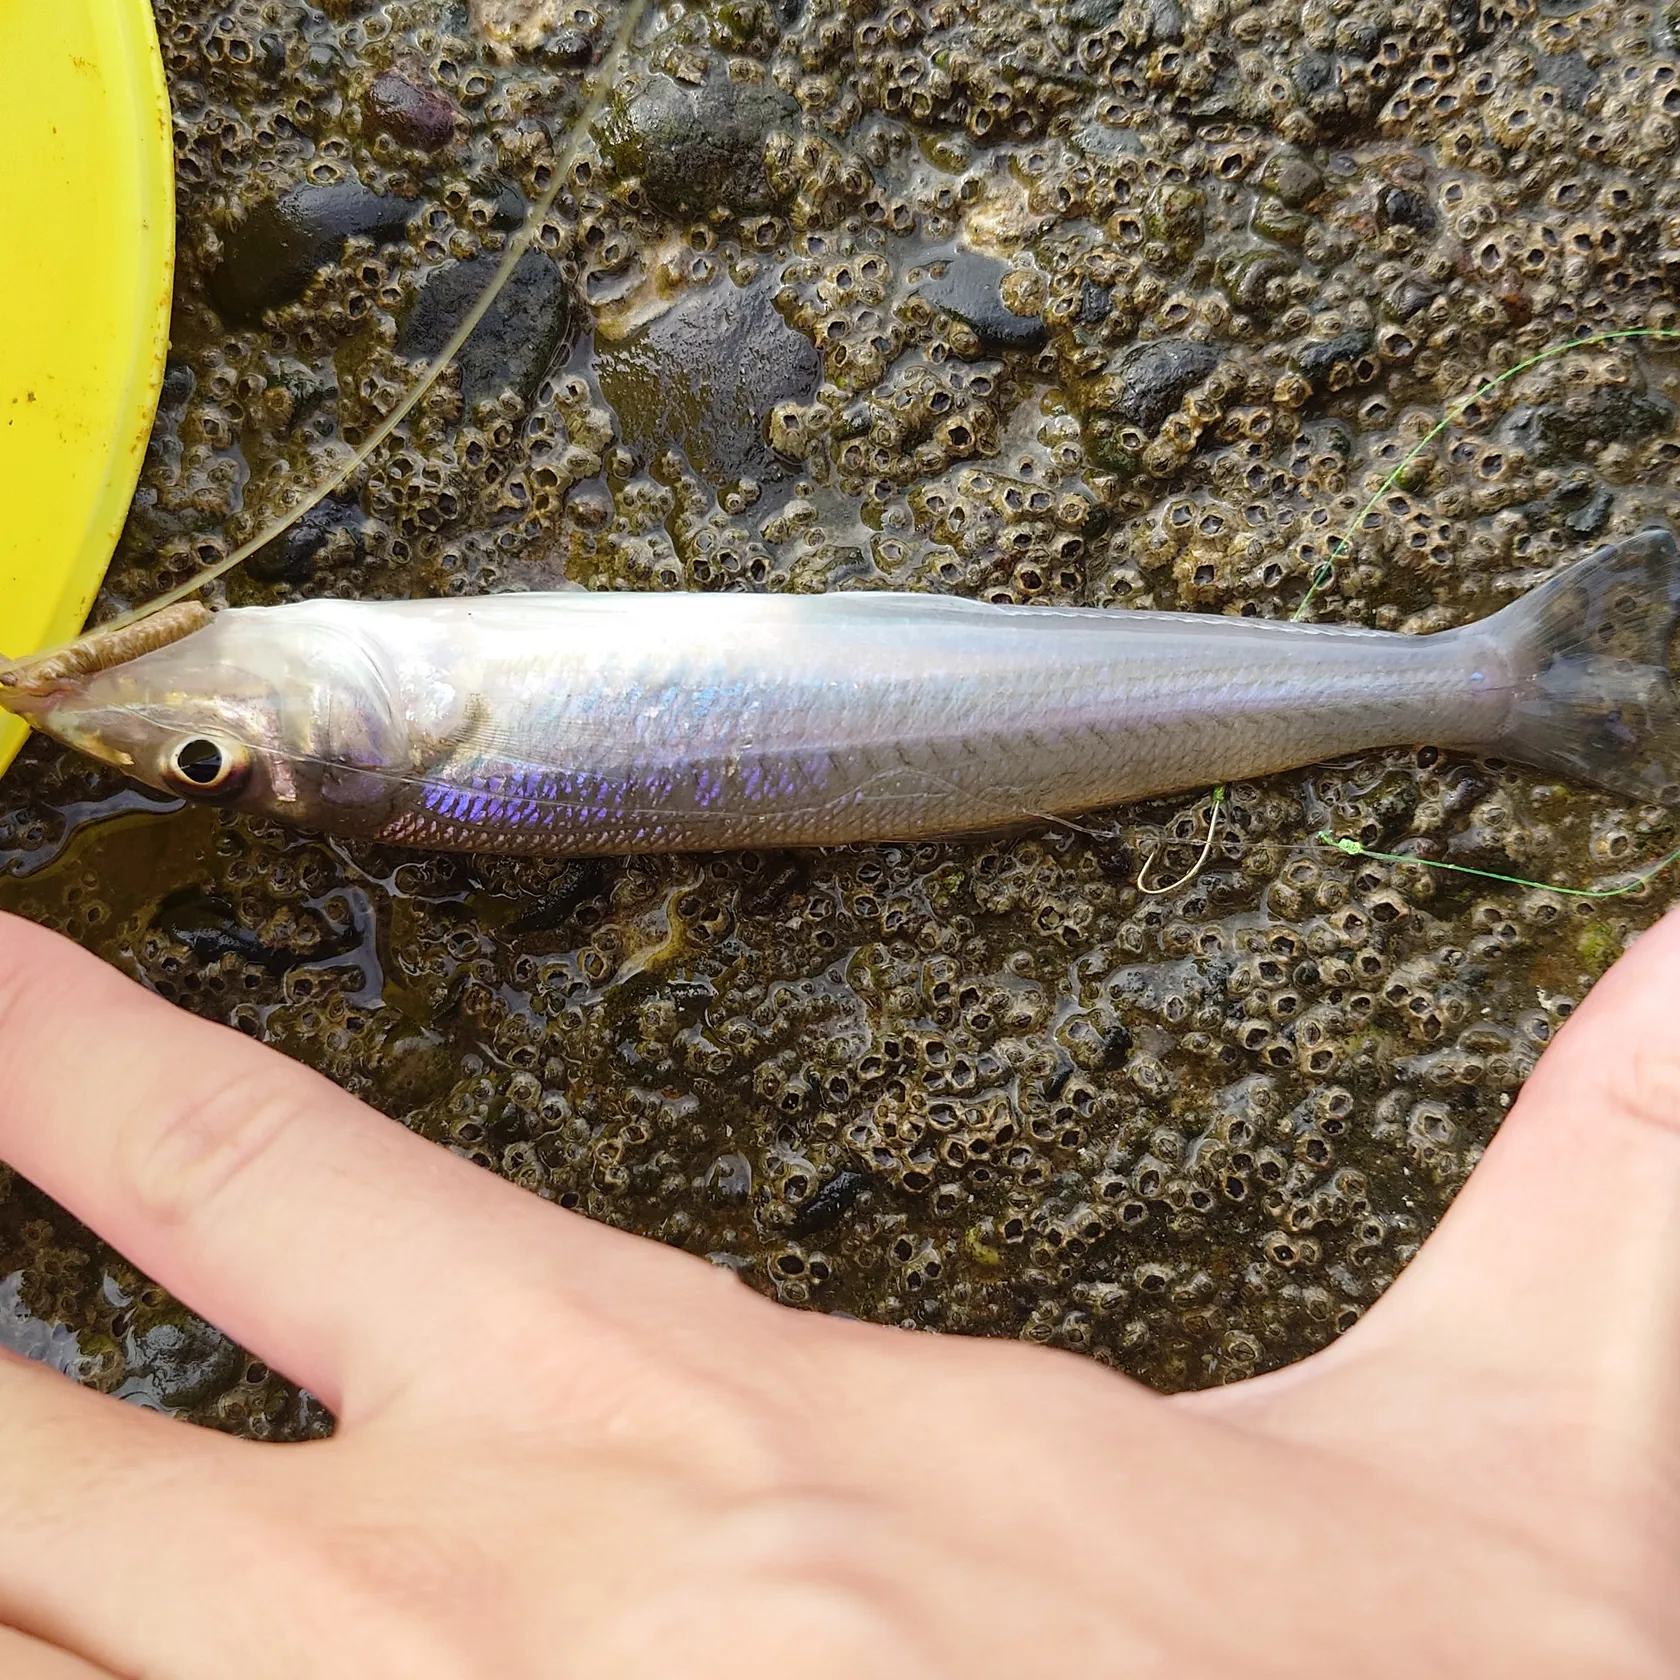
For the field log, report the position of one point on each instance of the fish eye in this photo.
(202, 768)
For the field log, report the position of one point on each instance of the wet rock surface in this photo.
(986, 1085)
(706, 377)
(522, 334)
(411, 115)
(276, 249)
(700, 146)
(968, 285)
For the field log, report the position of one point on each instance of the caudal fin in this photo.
(1590, 651)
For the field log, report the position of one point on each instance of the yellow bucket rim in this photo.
(85, 296)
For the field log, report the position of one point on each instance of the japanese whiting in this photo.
(610, 723)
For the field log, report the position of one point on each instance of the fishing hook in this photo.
(1199, 865)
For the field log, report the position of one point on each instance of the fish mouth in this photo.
(32, 686)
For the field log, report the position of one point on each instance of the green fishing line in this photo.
(1343, 544)
(1355, 848)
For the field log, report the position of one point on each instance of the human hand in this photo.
(632, 1466)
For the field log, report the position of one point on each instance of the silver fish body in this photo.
(613, 723)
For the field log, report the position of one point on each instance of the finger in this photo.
(1552, 1287)
(100, 1504)
(24, 1658)
(1564, 1245)
(295, 1218)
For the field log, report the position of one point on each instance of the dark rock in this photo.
(1095, 303)
(1116, 1048)
(1406, 297)
(1316, 360)
(1590, 519)
(1358, 37)
(1610, 414)
(1273, 219)
(322, 62)
(697, 148)
(518, 340)
(968, 289)
(1571, 75)
(1400, 205)
(569, 49)
(1313, 72)
(1091, 17)
(1581, 505)
(507, 203)
(271, 48)
(1247, 277)
(291, 558)
(1166, 21)
(833, 1199)
(185, 1360)
(178, 384)
(1157, 376)
(209, 926)
(412, 116)
(1467, 20)
(282, 243)
(705, 375)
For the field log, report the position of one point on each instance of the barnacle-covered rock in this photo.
(697, 146)
(985, 1085)
(523, 332)
(706, 377)
(280, 244)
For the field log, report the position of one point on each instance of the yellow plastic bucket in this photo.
(84, 301)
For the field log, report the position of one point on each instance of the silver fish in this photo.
(613, 723)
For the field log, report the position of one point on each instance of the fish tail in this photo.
(1590, 654)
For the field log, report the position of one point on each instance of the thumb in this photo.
(1540, 1324)
(1559, 1262)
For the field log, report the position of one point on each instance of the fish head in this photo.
(280, 711)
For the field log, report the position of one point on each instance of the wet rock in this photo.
(705, 376)
(1164, 19)
(279, 246)
(698, 148)
(569, 49)
(1157, 375)
(968, 289)
(178, 385)
(186, 1359)
(832, 1201)
(1292, 178)
(1273, 219)
(1406, 297)
(1581, 505)
(1248, 277)
(412, 116)
(1403, 207)
(1317, 359)
(208, 924)
(518, 340)
(1571, 75)
(1606, 414)
(291, 558)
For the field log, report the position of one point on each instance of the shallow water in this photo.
(984, 1086)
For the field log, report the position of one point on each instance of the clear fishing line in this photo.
(517, 246)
